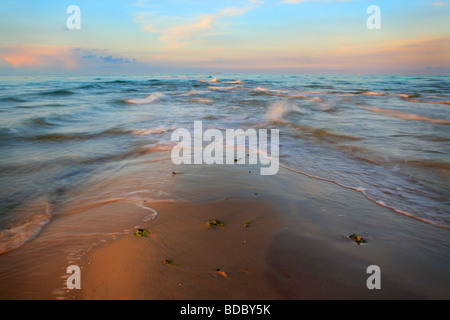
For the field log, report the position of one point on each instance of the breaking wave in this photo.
(149, 99)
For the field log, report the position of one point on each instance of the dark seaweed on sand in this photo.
(216, 223)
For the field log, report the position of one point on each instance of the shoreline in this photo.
(296, 247)
(301, 236)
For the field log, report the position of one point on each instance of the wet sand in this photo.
(207, 262)
(296, 246)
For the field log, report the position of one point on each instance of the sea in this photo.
(384, 136)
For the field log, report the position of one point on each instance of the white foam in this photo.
(406, 115)
(16, 236)
(221, 88)
(215, 80)
(279, 109)
(233, 82)
(149, 99)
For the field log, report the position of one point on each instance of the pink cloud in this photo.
(39, 56)
(178, 32)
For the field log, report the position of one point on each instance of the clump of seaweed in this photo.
(357, 239)
(141, 233)
(215, 223)
(170, 263)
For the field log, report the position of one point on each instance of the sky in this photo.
(233, 36)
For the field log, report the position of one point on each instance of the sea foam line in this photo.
(406, 115)
(362, 191)
(16, 236)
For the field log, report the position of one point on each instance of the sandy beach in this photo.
(295, 245)
(282, 238)
(201, 261)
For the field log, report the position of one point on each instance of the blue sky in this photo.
(286, 36)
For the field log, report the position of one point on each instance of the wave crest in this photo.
(149, 99)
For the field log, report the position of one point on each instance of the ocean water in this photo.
(386, 137)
